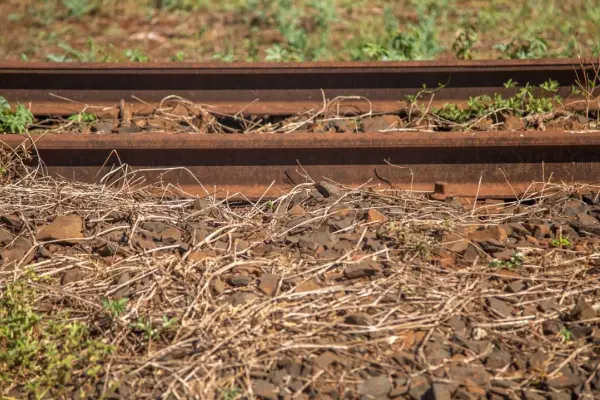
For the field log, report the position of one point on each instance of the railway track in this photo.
(486, 164)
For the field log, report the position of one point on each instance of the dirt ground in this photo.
(285, 30)
(324, 293)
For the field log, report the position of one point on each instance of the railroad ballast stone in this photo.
(67, 229)
(330, 293)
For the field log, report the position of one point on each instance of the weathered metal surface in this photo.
(502, 161)
(275, 89)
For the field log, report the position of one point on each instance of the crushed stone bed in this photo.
(327, 292)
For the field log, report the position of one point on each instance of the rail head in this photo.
(306, 140)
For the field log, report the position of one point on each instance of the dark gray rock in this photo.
(499, 307)
(327, 189)
(375, 387)
(498, 359)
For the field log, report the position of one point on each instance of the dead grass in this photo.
(179, 337)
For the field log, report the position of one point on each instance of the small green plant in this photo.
(523, 103)
(230, 394)
(83, 117)
(145, 327)
(550, 86)
(135, 55)
(464, 42)
(513, 263)
(80, 8)
(92, 53)
(270, 205)
(39, 355)
(561, 242)
(566, 335)
(149, 331)
(324, 17)
(414, 41)
(115, 307)
(180, 56)
(510, 84)
(183, 5)
(14, 122)
(227, 56)
(288, 20)
(523, 49)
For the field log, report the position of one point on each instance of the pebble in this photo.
(499, 307)
(376, 216)
(217, 286)
(241, 298)
(239, 280)
(72, 275)
(551, 327)
(375, 387)
(566, 378)
(498, 359)
(5, 237)
(326, 359)
(268, 284)
(439, 391)
(493, 232)
(327, 189)
(419, 385)
(265, 390)
(17, 251)
(582, 311)
(66, 228)
(170, 236)
(13, 221)
(360, 270)
(381, 123)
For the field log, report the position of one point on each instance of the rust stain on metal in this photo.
(276, 89)
(251, 163)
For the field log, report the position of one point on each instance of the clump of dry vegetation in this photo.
(326, 291)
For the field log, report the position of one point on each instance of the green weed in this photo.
(287, 17)
(513, 263)
(464, 42)
(135, 55)
(522, 49)
(115, 307)
(566, 335)
(561, 242)
(83, 117)
(180, 56)
(183, 5)
(80, 8)
(270, 205)
(414, 42)
(149, 331)
(251, 48)
(523, 103)
(230, 394)
(145, 327)
(325, 15)
(92, 54)
(14, 122)
(227, 56)
(277, 53)
(41, 356)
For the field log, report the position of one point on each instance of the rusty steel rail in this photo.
(488, 164)
(274, 89)
(493, 164)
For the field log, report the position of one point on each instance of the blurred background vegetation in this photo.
(296, 30)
